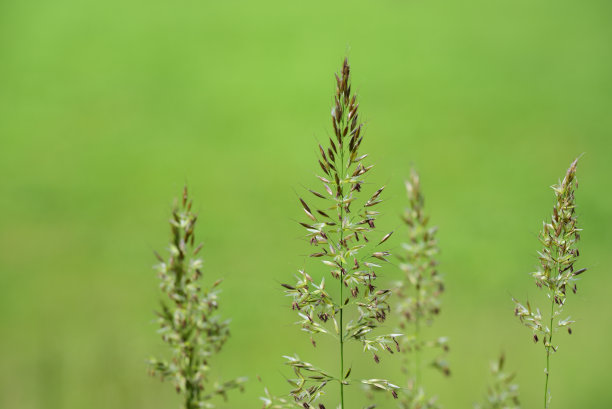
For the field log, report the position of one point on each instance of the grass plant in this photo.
(341, 227)
(556, 273)
(418, 297)
(188, 317)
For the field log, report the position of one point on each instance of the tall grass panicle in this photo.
(341, 228)
(188, 317)
(556, 274)
(418, 297)
(502, 392)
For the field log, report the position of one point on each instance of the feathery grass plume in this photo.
(341, 227)
(418, 296)
(188, 320)
(502, 393)
(556, 273)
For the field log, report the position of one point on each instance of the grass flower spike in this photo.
(418, 295)
(340, 226)
(188, 320)
(557, 274)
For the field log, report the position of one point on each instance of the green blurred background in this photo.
(108, 108)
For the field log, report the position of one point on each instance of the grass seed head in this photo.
(556, 273)
(343, 253)
(418, 294)
(188, 317)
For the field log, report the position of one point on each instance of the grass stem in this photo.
(417, 330)
(341, 296)
(552, 311)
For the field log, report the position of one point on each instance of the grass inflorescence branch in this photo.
(188, 317)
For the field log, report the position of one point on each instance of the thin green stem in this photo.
(189, 398)
(341, 284)
(341, 358)
(417, 330)
(548, 348)
(552, 315)
(341, 342)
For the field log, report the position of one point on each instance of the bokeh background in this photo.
(108, 108)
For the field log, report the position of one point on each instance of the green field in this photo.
(108, 108)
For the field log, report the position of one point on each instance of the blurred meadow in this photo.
(108, 108)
